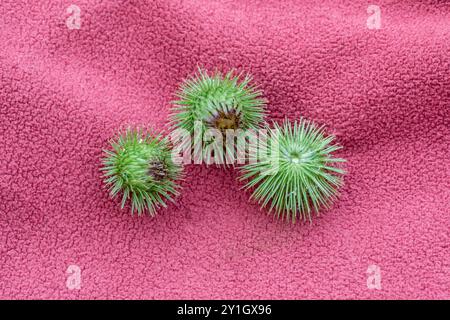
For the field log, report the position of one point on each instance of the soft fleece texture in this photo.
(384, 94)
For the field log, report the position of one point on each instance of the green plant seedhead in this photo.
(218, 101)
(298, 176)
(139, 166)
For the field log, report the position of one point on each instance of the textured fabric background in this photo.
(65, 92)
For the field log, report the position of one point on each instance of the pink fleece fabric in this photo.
(385, 94)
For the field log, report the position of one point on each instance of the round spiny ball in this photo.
(217, 101)
(139, 166)
(296, 173)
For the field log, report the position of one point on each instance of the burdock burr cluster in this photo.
(217, 118)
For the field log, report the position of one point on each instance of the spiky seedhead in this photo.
(139, 166)
(298, 174)
(218, 101)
